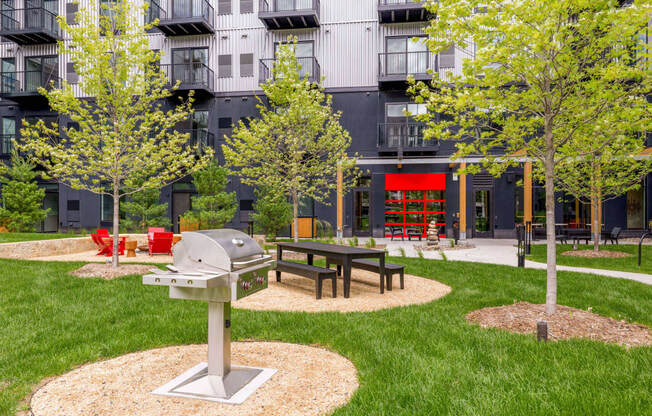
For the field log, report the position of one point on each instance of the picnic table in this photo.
(343, 254)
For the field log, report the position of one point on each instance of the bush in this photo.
(212, 207)
(324, 229)
(272, 213)
(143, 210)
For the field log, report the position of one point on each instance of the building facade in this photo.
(224, 49)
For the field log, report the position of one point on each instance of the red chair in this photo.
(102, 232)
(160, 243)
(108, 243)
(102, 248)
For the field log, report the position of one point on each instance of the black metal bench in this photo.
(318, 274)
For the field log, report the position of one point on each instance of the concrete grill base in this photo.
(309, 381)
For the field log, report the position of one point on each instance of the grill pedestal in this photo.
(216, 380)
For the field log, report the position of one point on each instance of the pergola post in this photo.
(527, 192)
(462, 223)
(340, 204)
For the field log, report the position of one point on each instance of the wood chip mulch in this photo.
(590, 254)
(310, 381)
(106, 272)
(566, 323)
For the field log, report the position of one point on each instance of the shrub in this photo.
(272, 213)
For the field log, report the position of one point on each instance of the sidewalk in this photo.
(498, 252)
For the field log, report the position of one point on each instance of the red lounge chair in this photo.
(102, 232)
(161, 243)
(108, 244)
(102, 248)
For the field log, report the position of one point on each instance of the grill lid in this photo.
(215, 248)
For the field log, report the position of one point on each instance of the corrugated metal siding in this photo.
(346, 45)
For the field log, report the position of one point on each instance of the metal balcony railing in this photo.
(403, 136)
(6, 144)
(180, 9)
(275, 6)
(393, 2)
(27, 82)
(192, 76)
(199, 137)
(404, 63)
(308, 66)
(154, 11)
(33, 18)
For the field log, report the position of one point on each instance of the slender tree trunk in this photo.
(551, 286)
(295, 214)
(595, 206)
(115, 263)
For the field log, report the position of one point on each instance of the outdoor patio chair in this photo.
(161, 243)
(107, 242)
(395, 232)
(101, 247)
(102, 232)
(612, 236)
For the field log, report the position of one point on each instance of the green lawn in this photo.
(15, 237)
(418, 360)
(626, 264)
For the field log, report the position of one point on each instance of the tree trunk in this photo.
(115, 263)
(595, 202)
(295, 214)
(551, 286)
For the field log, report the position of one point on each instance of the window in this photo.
(247, 65)
(246, 205)
(404, 56)
(447, 57)
(519, 201)
(224, 7)
(72, 205)
(224, 123)
(40, 70)
(71, 75)
(71, 13)
(107, 13)
(8, 73)
(246, 6)
(402, 129)
(8, 134)
(106, 208)
(636, 209)
(305, 52)
(190, 65)
(415, 209)
(224, 66)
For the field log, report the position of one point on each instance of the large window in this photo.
(8, 134)
(190, 65)
(305, 52)
(39, 71)
(401, 129)
(405, 56)
(410, 205)
(636, 209)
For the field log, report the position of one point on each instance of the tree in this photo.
(612, 166)
(125, 141)
(537, 73)
(296, 145)
(213, 206)
(144, 210)
(22, 198)
(272, 212)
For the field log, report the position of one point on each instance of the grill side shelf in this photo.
(180, 280)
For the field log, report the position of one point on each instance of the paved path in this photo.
(501, 252)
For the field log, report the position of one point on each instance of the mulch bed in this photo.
(566, 323)
(590, 254)
(106, 272)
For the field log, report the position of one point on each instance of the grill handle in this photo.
(250, 262)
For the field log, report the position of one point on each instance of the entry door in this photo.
(361, 212)
(189, 65)
(51, 222)
(484, 227)
(180, 204)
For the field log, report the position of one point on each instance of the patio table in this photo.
(343, 254)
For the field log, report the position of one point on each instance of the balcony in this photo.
(289, 14)
(402, 11)
(199, 137)
(6, 145)
(22, 86)
(183, 17)
(193, 76)
(394, 67)
(31, 26)
(406, 137)
(308, 66)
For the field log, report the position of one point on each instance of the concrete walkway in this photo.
(498, 252)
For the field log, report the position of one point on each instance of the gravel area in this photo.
(566, 323)
(590, 254)
(107, 272)
(310, 381)
(92, 257)
(297, 294)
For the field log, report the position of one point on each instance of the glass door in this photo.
(304, 52)
(405, 56)
(362, 208)
(635, 211)
(483, 215)
(39, 71)
(190, 65)
(8, 134)
(402, 129)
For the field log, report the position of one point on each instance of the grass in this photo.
(417, 360)
(625, 264)
(16, 237)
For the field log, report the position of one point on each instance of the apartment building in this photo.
(224, 49)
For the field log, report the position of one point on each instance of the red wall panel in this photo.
(415, 181)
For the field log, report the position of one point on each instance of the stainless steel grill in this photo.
(216, 266)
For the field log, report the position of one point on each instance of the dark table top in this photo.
(329, 248)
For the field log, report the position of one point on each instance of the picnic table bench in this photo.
(318, 274)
